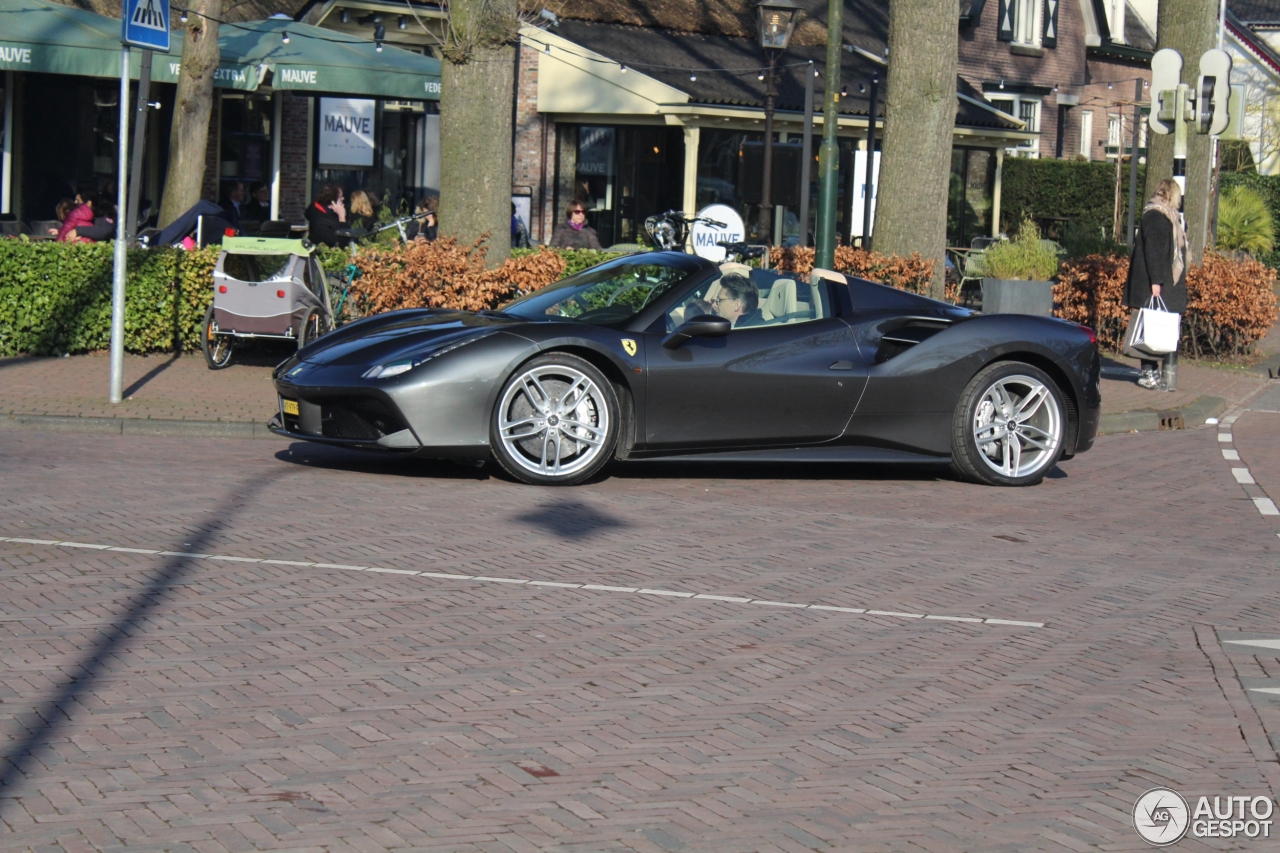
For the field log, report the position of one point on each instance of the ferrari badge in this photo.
(629, 345)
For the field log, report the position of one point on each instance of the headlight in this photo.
(403, 365)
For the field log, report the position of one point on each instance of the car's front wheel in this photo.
(556, 421)
(1008, 427)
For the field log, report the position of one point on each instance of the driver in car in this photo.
(738, 302)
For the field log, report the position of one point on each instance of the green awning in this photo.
(315, 60)
(44, 37)
(53, 39)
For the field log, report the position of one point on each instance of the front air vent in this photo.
(365, 419)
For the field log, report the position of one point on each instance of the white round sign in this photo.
(705, 237)
(1161, 816)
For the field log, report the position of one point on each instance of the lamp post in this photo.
(776, 20)
(829, 153)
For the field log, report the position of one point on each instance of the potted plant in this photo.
(1019, 274)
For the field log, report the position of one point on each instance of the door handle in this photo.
(841, 365)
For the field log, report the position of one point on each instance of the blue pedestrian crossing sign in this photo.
(146, 24)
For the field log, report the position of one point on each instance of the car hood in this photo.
(386, 337)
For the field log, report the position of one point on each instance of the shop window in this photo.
(621, 174)
(970, 196)
(245, 147)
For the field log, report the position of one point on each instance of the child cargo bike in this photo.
(264, 288)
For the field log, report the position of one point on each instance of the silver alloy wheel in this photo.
(1017, 426)
(553, 420)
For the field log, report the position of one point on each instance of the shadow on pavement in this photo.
(340, 459)
(709, 470)
(570, 519)
(43, 725)
(151, 374)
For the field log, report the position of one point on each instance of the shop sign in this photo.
(595, 151)
(15, 55)
(346, 132)
(860, 191)
(706, 236)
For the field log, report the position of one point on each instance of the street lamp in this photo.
(776, 20)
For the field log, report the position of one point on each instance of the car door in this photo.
(794, 379)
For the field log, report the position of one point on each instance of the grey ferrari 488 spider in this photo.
(666, 355)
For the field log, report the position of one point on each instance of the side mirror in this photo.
(701, 326)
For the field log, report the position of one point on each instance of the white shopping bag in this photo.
(1154, 330)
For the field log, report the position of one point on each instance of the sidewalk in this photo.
(181, 395)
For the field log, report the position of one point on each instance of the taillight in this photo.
(280, 293)
(222, 288)
(1093, 336)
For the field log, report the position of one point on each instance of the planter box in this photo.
(1012, 296)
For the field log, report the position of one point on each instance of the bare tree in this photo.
(189, 135)
(477, 94)
(1189, 27)
(920, 116)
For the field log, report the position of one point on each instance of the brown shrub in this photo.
(444, 274)
(1230, 304)
(913, 273)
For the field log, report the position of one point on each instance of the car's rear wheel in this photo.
(556, 421)
(217, 348)
(1009, 426)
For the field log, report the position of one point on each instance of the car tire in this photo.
(314, 326)
(1009, 426)
(555, 422)
(217, 348)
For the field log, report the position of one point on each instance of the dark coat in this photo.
(565, 237)
(1152, 263)
(324, 227)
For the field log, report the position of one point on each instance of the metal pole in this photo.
(765, 226)
(277, 131)
(1180, 118)
(122, 208)
(6, 157)
(871, 156)
(829, 154)
(139, 146)
(806, 153)
(1133, 161)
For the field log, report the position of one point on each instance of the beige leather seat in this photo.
(781, 302)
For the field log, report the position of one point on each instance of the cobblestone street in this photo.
(628, 665)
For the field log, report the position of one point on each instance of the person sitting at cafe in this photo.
(233, 203)
(258, 207)
(424, 225)
(327, 215)
(81, 216)
(574, 232)
(363, 214)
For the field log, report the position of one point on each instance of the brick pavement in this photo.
(231, 706)
(159, 386)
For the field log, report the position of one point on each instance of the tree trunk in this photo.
(920, 116)
(189, 136)
(1189, 27)
(475, 148)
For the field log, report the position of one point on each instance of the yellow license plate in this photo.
(290, 406)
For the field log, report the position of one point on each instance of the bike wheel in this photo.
(217, 348)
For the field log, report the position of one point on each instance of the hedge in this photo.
(1231, 303)
(55, 298)
(1082, 190)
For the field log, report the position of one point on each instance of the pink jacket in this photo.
(79, 217)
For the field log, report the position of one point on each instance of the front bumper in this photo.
(359, 418)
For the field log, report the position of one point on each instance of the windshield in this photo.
(608, 295)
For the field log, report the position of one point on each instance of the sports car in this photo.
(664, 355)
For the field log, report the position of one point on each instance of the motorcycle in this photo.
(669, 232)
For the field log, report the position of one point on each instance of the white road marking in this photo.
(1265, 689)
(728, 599)
(1266, 506)
(1261, 644)
(1224, 436)
(1242, 476)
(1233, 455)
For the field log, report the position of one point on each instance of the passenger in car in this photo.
(738, 302)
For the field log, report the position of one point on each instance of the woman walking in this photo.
(1158, 266)
(574, 232)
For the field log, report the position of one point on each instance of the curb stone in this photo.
(1194, 414)
(138, 426)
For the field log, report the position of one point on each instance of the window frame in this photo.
(1030, 148)
(1028, 12)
